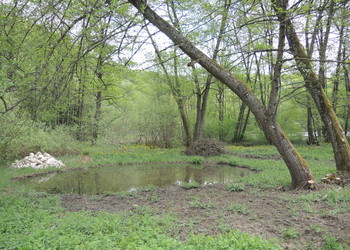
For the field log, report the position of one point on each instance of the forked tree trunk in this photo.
(298, 167)
(241, 124)
(335, 132)
(201, 108)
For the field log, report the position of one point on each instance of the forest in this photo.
(177, 88)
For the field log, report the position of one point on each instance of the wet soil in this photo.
(209, 210)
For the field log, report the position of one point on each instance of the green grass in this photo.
(37, 222)
(291, 233)
(190, 185)
(337, 198)
(235, 187)
(197, 203)
(331, 243)
(238, 208)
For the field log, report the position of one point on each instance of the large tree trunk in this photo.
(298, 167)
(335, 132)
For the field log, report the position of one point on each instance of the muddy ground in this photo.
(271, 214)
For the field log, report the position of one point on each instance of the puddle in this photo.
(133, 177)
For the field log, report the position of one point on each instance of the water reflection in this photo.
(124, 178)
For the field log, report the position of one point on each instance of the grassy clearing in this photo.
(32, 220)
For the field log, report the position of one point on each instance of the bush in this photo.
(235, 187)
(190, 185)
(57, 141)
(206, 147)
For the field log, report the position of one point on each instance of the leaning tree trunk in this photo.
(298, 167)
(336, 134)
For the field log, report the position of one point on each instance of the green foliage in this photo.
(331, 243)
(238, 208)
(290, 233)
(197, 160)
(38, 138)
(197, 203)
(149, 188)
(190, 185)
(235, 187)
(34, 221)
(231, 240)
(338, 199)
(124, 195)
(317, 228)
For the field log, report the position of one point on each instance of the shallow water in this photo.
(132, 177)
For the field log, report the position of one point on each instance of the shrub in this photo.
(235, 187)
(238, 208)
(190, 185)
(291, 233)
(197, 160)
(206, 147)
(57, 141)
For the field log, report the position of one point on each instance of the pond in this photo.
(132, 177)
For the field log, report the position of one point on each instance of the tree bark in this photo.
(335, 132)
(97, 117)
(202, 100)
(312, 137)
(298, 167)
(341, 48)
(241, 124)
(221, 101)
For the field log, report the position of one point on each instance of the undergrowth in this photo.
(37, 222)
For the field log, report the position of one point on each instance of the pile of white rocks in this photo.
(38, 161)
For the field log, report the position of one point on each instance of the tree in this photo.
(314, 86)
(202, 95)
(298, 167)
(175, 86)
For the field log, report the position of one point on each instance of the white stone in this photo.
(37, 161)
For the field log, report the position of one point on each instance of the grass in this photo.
(337, 198)
(37, 222)
(291, 233)
(32, 220)
(197, 203)
(190, 185)
(238, 208)
(235, 187)
(332, 243)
